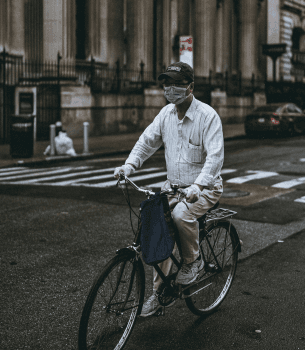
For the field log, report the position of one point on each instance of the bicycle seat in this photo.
(208, 211)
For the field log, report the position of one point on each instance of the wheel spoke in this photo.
(219, 251)
(112, 305)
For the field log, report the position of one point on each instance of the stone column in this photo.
(248, 40)
(204, 37)
(159, 36)
(174, 31)
(52, 29)
(227, 35)
(33, 30)
(273, 31)
(16, 27)
(167, 44)
(140, 34)
(183, 17)
(219, 34)
(3, 25)
(115, 27)
(94, 24)
(69, 26)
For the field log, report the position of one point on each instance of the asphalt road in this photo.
(55, 239)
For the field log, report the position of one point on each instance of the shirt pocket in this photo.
(192, 153)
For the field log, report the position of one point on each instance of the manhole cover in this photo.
(229, 193)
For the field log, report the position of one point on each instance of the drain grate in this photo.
(230, 193)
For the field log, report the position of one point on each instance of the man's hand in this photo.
(192, 193)
(126, 169)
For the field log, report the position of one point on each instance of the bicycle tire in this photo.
(212, 290)
(109, 296)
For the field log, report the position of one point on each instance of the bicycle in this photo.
(117, 295)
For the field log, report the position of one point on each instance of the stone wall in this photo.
(108, 113)
(233, 109)
(117, 113)
(76, 108)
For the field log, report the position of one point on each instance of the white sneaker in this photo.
(151, 306)
(189, 272)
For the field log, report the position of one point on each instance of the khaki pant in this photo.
(188, 227)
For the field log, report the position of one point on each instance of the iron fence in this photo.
(49, 76)
(102, 78)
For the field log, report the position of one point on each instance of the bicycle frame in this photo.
(213, 216)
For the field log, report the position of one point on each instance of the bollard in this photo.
(52, 139)
(86, 138)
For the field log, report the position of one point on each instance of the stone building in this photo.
(227, 42)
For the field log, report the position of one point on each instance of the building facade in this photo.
(144, 34)
(227, 34)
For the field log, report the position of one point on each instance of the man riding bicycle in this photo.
(191, 132)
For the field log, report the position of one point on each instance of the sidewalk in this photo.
(99, 146)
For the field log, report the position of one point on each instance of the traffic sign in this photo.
(274, 49)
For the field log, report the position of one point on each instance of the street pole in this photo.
(274, 59)
(86, 138)
(52, 139)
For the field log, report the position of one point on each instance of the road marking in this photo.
(135, 178)
(100, 177)
(300, 200)
(228, 171)
(290, 183)
(156, 185)
(161, 183)
(42, 173)
(22, 171)
(255, 174)
(80, 173)
(11, 169)
(105, 160)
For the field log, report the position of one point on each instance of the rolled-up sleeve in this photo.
(149, 142)
(214, 146)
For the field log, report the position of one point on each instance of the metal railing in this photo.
(14, 70)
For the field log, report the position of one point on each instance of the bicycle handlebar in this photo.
(122, 176)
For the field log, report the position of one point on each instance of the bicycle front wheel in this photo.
(219, 249)
(113, 303)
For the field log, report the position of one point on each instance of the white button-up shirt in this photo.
(194, 147)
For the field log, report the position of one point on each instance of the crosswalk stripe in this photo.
(113, 183)
(255, 174)
(100, 177)
(156, 185)
(22, 171)
(290, 183)
(227, 171)
(300, 200)
(11, 169)
(67, 175)
(61, 170)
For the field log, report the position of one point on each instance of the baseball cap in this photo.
(178, 71)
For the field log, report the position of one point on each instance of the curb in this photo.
(56, 159)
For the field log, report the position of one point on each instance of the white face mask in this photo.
(175, 94)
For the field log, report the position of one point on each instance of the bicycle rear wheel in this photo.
(219, 249)
(113, 303)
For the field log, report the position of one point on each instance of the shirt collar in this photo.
(190, 112)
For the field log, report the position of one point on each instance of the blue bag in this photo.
(157, 235)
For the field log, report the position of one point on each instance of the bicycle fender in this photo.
(239, 242)
(234, 233)
(236, 237)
